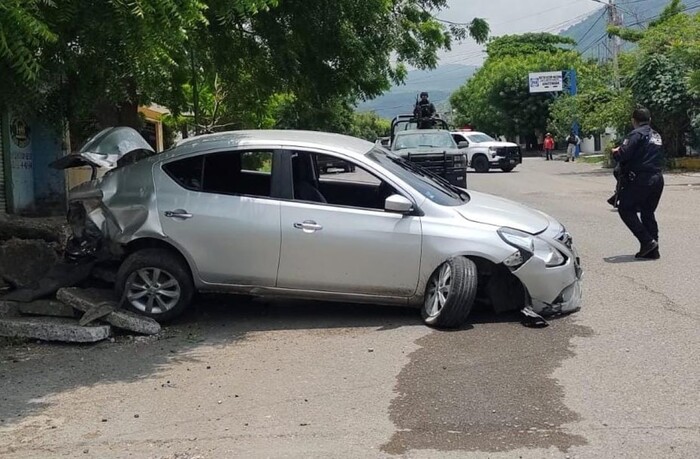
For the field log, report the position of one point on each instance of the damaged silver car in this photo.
(249, 212)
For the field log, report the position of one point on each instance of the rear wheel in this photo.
(507, 168)
(155, 283)
(450, 293)
(480, 163)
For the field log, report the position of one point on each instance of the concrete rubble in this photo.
(49, 308)
(38, 294)
(85, 299)
(8, 309)
(24, 262)
(52, 329)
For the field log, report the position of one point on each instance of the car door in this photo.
(343, 248)
(219, 210)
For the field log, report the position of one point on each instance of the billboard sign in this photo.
(546, 82)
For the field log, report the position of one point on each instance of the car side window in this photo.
(187, 172)
(237, 172)
(458, 138)
(338, 182)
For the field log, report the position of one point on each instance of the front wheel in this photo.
(155, 283)
(480, 163)
(507, 168)
(450, 293)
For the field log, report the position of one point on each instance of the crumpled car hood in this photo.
(106, 149)
(492, 210)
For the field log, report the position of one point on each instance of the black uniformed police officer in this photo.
(641, 183)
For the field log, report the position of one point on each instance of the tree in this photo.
(497, 98)
(229, 63)
(665, 75)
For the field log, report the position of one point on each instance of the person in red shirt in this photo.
(548, 146)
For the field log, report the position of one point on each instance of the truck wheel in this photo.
(155, 283)
(450, 293)
(507, 168)
(480, 163)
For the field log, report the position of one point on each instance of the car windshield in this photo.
(439, 139)
(478, 138)
(433, 187)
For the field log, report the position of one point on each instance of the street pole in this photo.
(615, 42)
(573, 90)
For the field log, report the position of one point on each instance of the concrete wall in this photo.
(31, 185)
(49, 183)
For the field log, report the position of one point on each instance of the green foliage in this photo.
(596, 107)
(23, 31)
(369, 126)
(497, 98)
(217, 64)
(525, 44)
(665, 76)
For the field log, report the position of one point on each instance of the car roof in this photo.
(469, 132)
(272, 137)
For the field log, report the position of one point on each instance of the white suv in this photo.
(484, 152)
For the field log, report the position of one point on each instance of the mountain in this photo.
(439, 83)
(591, 34)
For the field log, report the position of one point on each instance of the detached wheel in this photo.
(450, 293)
(507, 168)
(155, 284)
(481, 163)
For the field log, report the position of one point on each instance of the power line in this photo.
(592, 25)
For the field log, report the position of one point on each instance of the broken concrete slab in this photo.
(9, 309)
(98, 311)
(61, 275)
(24, 262)
(47, 229)
(52, 329)
(46, 308)
(85, 299)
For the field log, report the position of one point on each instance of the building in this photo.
(28, 185)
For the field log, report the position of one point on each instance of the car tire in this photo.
(161, 270)
(507, 168)
(480, 163)
(450, 293)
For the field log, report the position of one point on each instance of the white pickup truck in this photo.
(485, 152)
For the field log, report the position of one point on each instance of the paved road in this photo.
(621, 378)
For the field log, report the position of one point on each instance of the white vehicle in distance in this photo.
(485, 152)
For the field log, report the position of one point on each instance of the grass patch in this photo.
(593, 159)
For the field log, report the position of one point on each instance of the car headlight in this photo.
(552, 257)
(460, 161)
(525, 243)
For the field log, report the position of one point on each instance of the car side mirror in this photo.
(463, 144)
(398, 204)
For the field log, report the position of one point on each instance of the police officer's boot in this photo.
(647, 250)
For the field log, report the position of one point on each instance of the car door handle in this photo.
(178, 213)
(308, 226)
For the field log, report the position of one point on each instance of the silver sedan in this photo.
(250, 212)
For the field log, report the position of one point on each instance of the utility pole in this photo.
(614, 42)
(615, 19)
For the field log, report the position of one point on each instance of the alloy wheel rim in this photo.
(152, 290)
(438, 291)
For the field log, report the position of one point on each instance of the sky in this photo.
(511, 17)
